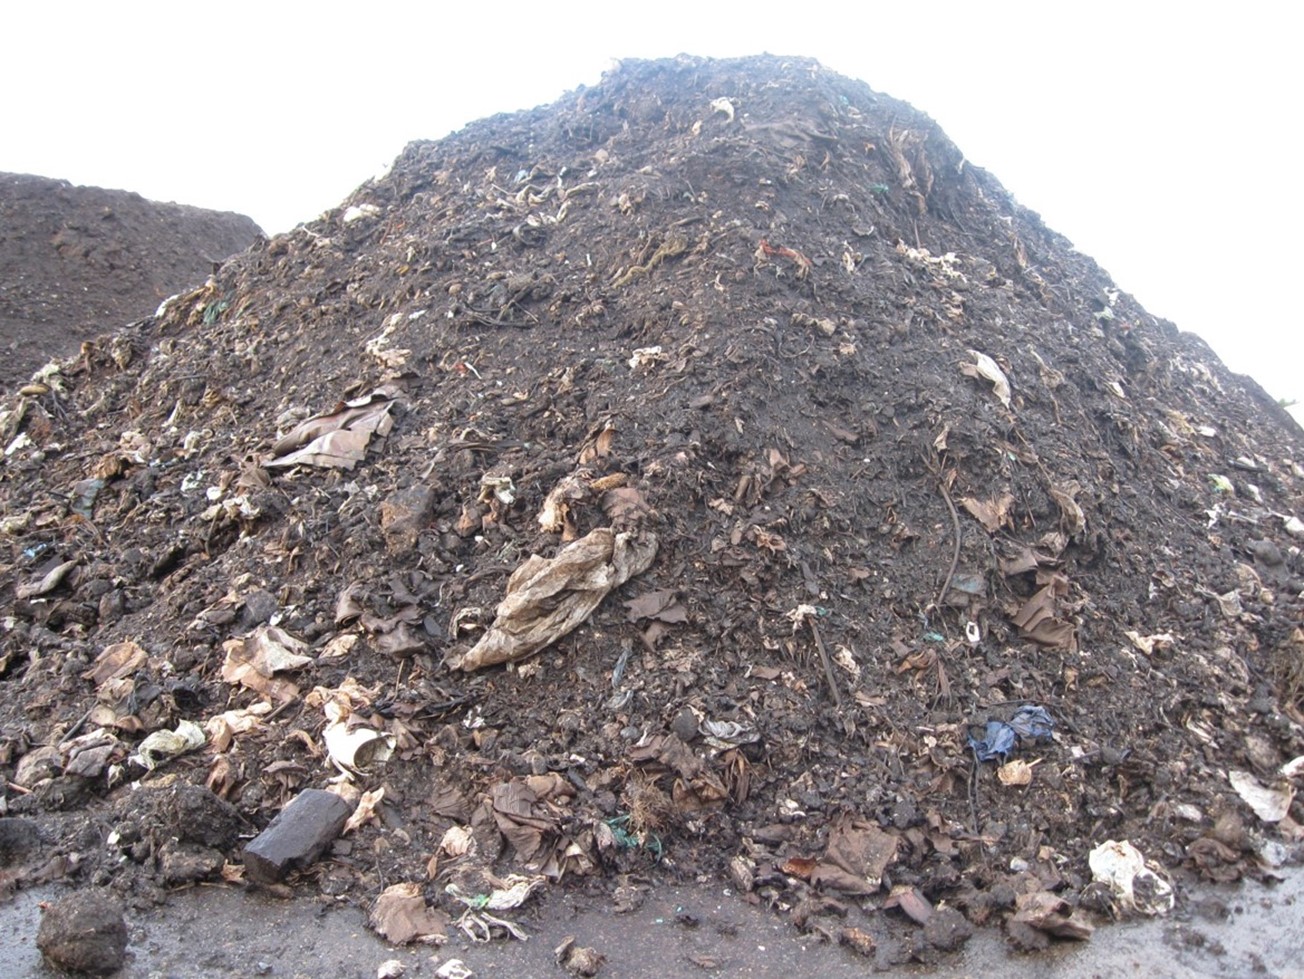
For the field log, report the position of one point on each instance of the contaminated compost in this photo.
(707, 475)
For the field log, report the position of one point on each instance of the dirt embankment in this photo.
(76, 262)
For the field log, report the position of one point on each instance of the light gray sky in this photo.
(1164, 145)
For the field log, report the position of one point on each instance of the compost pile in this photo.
(711, 473)
(76, 262)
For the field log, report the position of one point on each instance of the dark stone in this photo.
(403, 516)
(1267, 553)
(684, 725)
(947, 930)
(198, 816)
(259, 607)
(16, 837)
(296, 837)
(84, 932)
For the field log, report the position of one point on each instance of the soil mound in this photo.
(76, 262)
(847, 535)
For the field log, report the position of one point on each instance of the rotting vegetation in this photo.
(775, 450)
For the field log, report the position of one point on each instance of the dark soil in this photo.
(76, 262)
(752, 338)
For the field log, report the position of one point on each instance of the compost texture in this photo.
(775, 450)
(76, 262)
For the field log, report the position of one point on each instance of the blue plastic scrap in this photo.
(997, 742)
(1000, 737)
(1030, 721)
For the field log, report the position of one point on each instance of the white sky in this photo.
(1164, 145)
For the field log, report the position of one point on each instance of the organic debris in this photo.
(608, 495)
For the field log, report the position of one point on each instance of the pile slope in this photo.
(76, 262)
(869, 455)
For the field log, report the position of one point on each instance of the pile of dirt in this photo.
(76, 262)
(861, 544)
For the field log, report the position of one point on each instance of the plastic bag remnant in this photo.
(1270, 803)
(548, 597)
(1136, 885)
(998, 741)
(339, 438)
(991, 371)
(163, 745)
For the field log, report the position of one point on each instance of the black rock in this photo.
(84, 932)
(16, 837)
(297, 837)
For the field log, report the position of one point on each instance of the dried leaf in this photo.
(401, 916)
(911, 900)
(115, 662)
(987, 368)
(368, 810)
(47, 583)
(857, 854)
(1269, 804)
(993, 514)
(1016, 772)
(338, 439)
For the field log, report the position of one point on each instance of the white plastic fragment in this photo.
(1293, 768)
(21, 441)
(723, 105)
(646, 357)
(1295, 526)
(164, 745)
(357, 212)
(498, 488)
(1120, 865)
(1269, 804)
(1148, 644)
(454, 969)
(516, 888)
(354, 750)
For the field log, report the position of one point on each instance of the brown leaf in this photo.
(1051, 914)
(911, 900)
(801, 867)
(221, 777)
(401, 916)
(857, 854)
(993, 514)
(47, 583)
(349, 606)
(521, 818)
(338, 439)
(1037, 620)
(116, 662)
(662, 605)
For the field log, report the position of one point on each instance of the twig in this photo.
(828, 665)
(280, 709)
(973, 793)
(955, 557)
(72, 731)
